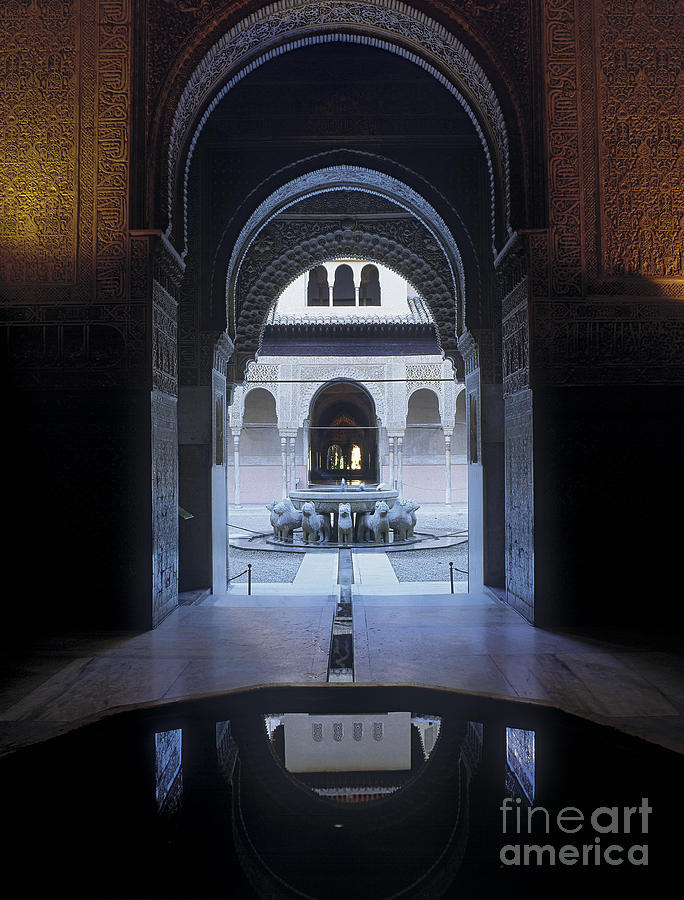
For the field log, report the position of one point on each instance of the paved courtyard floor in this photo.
(415, 633)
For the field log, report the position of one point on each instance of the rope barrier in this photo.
(248, 571)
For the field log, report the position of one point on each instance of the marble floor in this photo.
(421, 635)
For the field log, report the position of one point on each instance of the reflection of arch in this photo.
(343, 287)
(369, 290)
(441, 52)
(420, 831)
(318, 289)
(343, 437)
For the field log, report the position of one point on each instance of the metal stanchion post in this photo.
(249, 580)
(451, 576)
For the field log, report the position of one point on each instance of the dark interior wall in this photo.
(77, 501)
(609, 495)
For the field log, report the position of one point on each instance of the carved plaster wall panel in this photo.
(39, 107)
(601, 341)
(384, 381)
(563, 122)
(641, 117)
(519, 503)
(112, 143)
(364, 179)
(282, 270)
(164, 505)
(164, 341)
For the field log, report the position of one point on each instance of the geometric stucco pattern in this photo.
(332, 178)
(280, 235)
(282, 270)
(38, 135)
(642, 136)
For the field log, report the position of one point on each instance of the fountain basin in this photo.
(327, 498)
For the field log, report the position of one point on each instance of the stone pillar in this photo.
(283, 463)
(236, 463)
(447, 464)
(293, 464)
(390, 441)
(400, 465)
(305, 450)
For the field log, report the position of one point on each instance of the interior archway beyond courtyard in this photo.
(251, 248)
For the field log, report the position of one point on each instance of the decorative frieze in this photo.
(600, 341)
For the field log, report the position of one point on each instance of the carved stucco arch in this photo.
(426, 387)
(386, 24)
(249, 389)
(283, 270)
(346, 177)
(334, 375)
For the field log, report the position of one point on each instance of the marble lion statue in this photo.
(288, 518)
(375, 526)
(345, 525)
(314, 525)
(402, 519)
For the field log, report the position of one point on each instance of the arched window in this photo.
(343, 288)
(335, 458)
(318, 291)
(369, 294)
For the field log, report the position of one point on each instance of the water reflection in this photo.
(345, 792)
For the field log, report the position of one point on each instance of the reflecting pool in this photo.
(344, 791)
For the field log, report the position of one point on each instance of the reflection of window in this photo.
(356, 457)
(168, 747)
(520, 762)
(335, 458)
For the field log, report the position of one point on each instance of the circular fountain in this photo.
(341, 515)
(327, 497)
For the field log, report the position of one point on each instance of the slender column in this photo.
(293, 466)
(236, 464)
(400, 466)
(391, 462)
(447, 464)
(305, 442)
(283, 464)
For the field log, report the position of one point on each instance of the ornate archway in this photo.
(345, 177)
(343, 435)
(385, 24)
(283, 269)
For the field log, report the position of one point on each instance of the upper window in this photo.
(369, 292)
(343, 288)
(318, 289)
